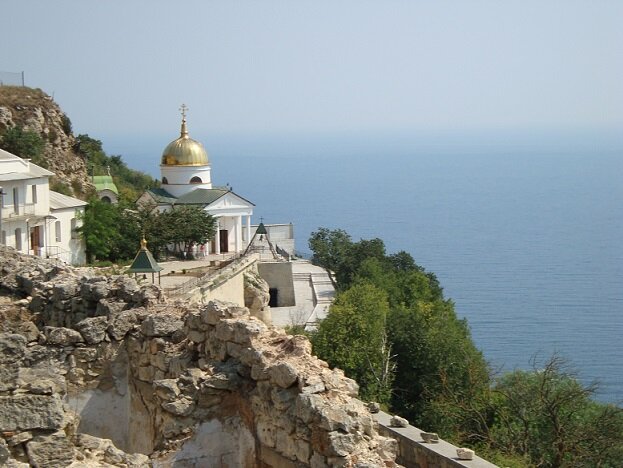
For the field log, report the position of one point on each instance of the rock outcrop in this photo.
(257, 296)
(108, 374)
(34, 110)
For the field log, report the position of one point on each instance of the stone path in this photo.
(313, 289)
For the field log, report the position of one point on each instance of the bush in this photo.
(66, 125)
(23, 143)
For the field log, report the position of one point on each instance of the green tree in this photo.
(139, 220)
(329, 248)
(353, 338)
(549, 416)
(130, 183)
(192, 225)
(23, 143)
(100, 229)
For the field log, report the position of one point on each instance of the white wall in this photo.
(70, 248)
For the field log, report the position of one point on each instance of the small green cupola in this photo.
(144, 262)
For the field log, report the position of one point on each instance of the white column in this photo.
(248, 229)
(238, 233)
(218, 237)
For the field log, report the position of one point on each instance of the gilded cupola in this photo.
(184, 151)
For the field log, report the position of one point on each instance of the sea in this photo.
(524, 232)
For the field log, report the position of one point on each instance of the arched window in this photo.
(196, 180)
(106, 199)
(164, 180)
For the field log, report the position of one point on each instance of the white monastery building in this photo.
(34, 219)
(187, 180)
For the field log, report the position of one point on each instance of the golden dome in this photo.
(185, 151)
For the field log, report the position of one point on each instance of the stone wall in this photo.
(414, 452)
(226, 284)
(85, 359)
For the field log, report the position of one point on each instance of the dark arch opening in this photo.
(196, 180)
(106, 199)
(164, 180)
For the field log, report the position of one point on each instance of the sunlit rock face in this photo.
(101, 370)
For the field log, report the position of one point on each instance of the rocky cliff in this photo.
(101, 371)
(34, 110)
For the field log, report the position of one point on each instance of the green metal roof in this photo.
(144, 263)
(261, 229)
(160, 195)
(104, 182)
(201, 197)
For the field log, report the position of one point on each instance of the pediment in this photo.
(228, 201)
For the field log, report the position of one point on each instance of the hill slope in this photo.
(35, 111)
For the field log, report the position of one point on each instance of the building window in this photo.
(196, 180)
(18, 239)
(164, 180)
(57, 230)
(74, 234)
(15, 200)
(34, 194)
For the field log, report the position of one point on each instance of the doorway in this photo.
(35, 240)
(224, 244)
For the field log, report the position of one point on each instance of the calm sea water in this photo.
(528, 244)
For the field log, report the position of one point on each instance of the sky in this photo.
(121, 69)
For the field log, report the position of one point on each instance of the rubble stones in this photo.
(397, 421)
(186, 366)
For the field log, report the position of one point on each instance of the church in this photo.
(186, 177)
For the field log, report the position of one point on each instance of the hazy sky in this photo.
(124, 67)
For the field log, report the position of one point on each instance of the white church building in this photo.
(34, 219)
(187, 180)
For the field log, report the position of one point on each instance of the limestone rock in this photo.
(182, 407)
(283, 374)
(161, 325)
(50, 451)
(4, 451)
(166, 389)
(397, 421)
(93, 329)
(215, 311)
(62, 336)
(465, 453)
(95, 289)
(257, 296)
(120, 324)
(25, 412)
(12, 348)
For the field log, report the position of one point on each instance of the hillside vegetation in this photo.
(392, 329)
(33, 126)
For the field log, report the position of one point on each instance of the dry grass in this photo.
(13, 96)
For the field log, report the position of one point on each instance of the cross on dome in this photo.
(183, 109)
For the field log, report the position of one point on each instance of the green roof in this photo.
(161, 195)
(104, 182)
(144, 263)
(201, 197)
